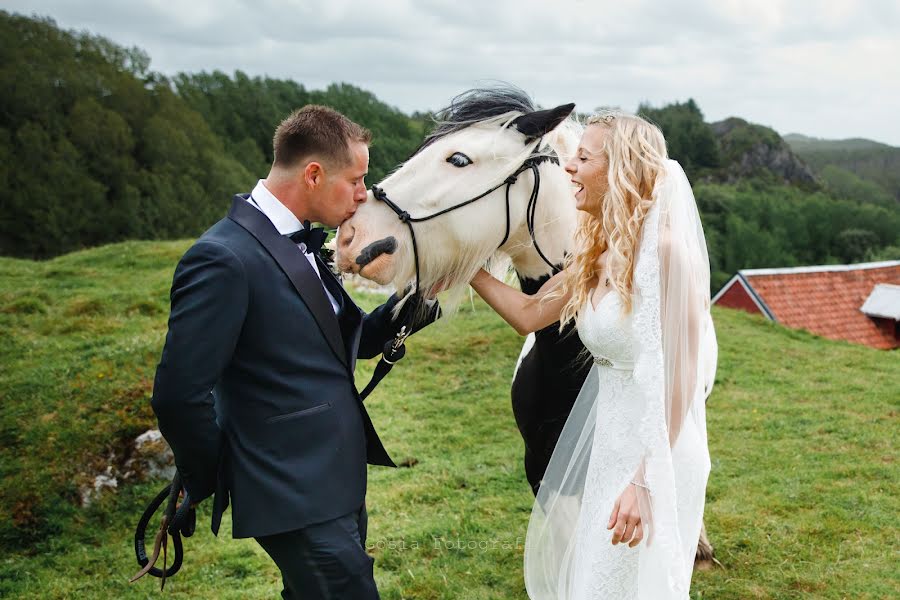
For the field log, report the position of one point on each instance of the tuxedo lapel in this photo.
(296, 267)
(350, 315)
(334, 284)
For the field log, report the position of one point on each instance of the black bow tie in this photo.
(311, 238)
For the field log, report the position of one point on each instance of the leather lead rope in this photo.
(394, 350)
(177, 520)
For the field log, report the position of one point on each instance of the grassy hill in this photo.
(805, 143)
(802, 500)
(855, 168)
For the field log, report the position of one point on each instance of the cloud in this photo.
(822, 68)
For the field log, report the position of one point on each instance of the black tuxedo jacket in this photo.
(255, 390)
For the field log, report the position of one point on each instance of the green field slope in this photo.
(802, 501)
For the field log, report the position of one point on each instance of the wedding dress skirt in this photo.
(572, 529)
(654, 368)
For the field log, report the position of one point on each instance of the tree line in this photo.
(97, 148)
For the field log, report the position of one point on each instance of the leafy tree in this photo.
(96, 148)
(691, 141)
(844, 184)
(855, 244)
(245, 111)
(886, 253)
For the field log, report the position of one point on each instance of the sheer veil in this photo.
(674, 373)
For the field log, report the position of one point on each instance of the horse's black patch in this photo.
(531, 286)
(536, 124)
(545, 389)
(386, 246)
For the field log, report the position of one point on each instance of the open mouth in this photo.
(578, 187)
(377, 270)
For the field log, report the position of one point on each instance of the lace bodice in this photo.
(606, 332)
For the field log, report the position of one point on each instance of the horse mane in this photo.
(479, 105)
(476, 106)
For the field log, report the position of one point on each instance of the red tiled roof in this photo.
(826, 300)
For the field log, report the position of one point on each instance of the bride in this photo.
(619, 510)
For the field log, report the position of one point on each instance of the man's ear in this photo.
(313, 173)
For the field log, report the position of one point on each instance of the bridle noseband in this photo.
(532, 163)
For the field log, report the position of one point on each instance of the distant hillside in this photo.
(727, 151)
(749, 149)
(805, 143)
(854, 168)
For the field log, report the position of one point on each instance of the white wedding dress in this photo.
(618, 430)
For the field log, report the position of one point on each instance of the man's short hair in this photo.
(316, 132)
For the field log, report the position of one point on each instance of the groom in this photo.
(255, 391)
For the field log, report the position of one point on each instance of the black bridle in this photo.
(531, 163)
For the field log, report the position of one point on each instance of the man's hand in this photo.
(420, 310)
(626, 519)
(380, 326)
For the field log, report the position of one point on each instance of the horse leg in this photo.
(705, 558)
(526, 401)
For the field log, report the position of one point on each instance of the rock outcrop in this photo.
(748, 149)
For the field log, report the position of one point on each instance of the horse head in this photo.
(454, 203)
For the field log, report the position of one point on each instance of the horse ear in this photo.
(535, 124)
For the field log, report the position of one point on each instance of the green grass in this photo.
(802, 501)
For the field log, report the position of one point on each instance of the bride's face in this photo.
(589, 168)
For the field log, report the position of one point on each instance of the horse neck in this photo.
(554, 223)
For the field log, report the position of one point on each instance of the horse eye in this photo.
(458, 159)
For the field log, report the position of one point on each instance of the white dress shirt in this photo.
(286, 223)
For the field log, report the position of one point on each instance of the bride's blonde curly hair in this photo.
(636, 150)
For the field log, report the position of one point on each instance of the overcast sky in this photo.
(826, 68)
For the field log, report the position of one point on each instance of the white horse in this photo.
(487, 186)
(484, 137)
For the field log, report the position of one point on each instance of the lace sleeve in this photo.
(676, 362)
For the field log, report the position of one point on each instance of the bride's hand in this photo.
(626, 519)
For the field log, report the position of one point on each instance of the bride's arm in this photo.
(683, 308)
(525, 313)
